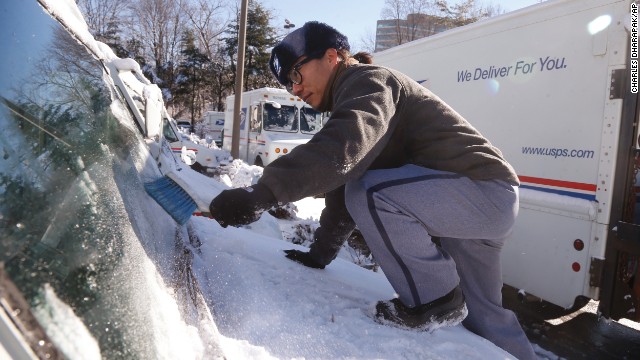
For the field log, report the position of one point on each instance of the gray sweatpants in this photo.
(399, 210)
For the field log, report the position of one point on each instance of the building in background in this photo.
(394, 32)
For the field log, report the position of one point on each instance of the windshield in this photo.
(78, 235)
(291, 119)
(283, 119)
(167, 131)
(310, 120)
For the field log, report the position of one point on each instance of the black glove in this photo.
(241, 206)
(303, 258)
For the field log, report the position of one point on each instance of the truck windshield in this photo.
(310, 120)
(284, 119)
(291, 119)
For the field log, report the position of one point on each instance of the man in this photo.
(406, 168)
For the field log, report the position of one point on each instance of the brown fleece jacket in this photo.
(383, 119)
(380, 119)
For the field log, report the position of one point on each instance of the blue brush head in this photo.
(173, 199)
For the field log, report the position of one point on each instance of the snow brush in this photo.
(179, 198)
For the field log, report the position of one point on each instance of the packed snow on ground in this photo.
(268, 306)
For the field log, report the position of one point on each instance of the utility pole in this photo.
(237, 100)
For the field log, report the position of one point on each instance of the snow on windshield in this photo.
(283, 119)
(290, 118)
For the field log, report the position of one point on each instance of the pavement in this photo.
(576, 333)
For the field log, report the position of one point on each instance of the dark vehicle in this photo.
(80, 240)
(184, 125)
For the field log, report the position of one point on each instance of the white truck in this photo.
(212, 126)
(277, 123)
(554, 86)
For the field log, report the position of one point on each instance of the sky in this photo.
(355, 18)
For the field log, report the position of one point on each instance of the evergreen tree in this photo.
(260, 38)
(208, 21)
(192, 77)
(222, 80)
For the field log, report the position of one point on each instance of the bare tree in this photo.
(367, 42)
(160, 24)
(102, 15)
(208, 20)
(414, 19)
(492, 9)
(104, 18)
(466, 12)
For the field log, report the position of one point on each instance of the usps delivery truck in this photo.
(272, 123)
(555, 87)
(212, 126)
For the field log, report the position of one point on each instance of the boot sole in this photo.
(451, 318)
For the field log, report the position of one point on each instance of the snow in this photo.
(289, 311)
(268, 307)
(263, 305)
(581, 208)
(63, 323)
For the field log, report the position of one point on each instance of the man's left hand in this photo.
(303, 258)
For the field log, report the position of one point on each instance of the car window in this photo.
(73, 212)
(167, 131)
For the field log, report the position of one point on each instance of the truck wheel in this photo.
(258, 162)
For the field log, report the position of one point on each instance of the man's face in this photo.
(315, 75)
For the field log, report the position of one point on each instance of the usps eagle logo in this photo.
(276, 65)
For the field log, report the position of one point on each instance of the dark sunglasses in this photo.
(294, 75)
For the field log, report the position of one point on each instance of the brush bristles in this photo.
(173, 199)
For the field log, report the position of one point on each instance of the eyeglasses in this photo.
(294, 75)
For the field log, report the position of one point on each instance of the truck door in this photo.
(620, 294)
(255, 129)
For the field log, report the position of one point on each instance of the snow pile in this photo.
(281, 309)
(240, 174)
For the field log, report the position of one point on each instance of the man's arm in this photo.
(336, 225)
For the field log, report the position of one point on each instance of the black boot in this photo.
(448, 310)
